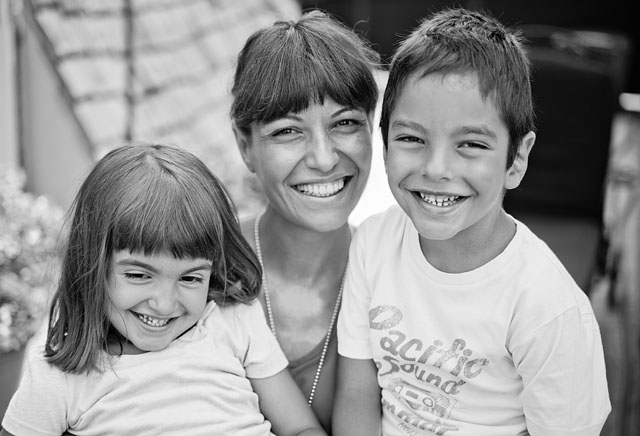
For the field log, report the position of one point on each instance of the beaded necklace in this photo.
(272, 325)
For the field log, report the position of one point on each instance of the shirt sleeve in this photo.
(562, 367)
(263, 356)
(353, 320)
(38, 407)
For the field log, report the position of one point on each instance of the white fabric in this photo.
(510, 347)
(197, 386)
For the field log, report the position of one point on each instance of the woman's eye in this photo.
(282, 132)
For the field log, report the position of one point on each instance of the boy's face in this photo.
(446, 158)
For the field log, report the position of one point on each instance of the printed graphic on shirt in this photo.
(421, 382)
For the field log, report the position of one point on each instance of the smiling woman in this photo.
(304, 96)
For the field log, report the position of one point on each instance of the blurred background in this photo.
(79, 77)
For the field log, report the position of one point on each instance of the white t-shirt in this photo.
(508, 348)
(197, 386)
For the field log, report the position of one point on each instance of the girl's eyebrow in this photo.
(140, 264)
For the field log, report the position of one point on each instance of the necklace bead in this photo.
(270, 319)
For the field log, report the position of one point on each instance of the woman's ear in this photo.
(518, 168)
(243, 139)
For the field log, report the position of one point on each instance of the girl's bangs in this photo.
(167, 224)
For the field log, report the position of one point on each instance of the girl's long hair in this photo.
(151, 199)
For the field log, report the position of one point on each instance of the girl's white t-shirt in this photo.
(199, 385)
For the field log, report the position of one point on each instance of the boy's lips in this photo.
(322, 189)
(439, 200)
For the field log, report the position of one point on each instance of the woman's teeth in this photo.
(440, 200)
(153, 322)
(321, 189)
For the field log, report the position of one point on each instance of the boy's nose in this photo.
(437, 163)
(321, 153)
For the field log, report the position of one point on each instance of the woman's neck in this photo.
(298, 251)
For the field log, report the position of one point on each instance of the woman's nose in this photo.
(322, 153)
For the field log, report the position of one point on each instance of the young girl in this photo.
(155, 328)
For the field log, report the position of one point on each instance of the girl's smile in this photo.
(153, 299)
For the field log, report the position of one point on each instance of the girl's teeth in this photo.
(440, 200)
(321, 189)
(153, 322)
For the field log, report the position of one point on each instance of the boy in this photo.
(456, 319)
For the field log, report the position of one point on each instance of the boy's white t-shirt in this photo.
(510, 347)
(197, 386)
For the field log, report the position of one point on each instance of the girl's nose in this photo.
(165, 299)
(322, 154)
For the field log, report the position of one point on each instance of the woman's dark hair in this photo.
(289, 65)
(150, 199)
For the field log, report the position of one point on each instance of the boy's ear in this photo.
(516, 172)
(244, 146)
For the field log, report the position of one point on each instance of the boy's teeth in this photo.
(439, 200)
(321, 189)
(153, 322)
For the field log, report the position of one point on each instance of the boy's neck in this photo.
(471, 248)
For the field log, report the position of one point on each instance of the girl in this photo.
(155, 327)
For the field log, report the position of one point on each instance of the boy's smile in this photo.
(446, 163)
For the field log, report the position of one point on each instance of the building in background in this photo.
(83, 76)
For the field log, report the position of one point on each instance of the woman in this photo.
(304, 96)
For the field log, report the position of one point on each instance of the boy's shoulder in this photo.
(391, 218)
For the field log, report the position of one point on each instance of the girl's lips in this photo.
(152, 321)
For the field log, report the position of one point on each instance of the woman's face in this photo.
(313, 165)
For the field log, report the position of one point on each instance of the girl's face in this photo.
(312, 165)
(155, 299)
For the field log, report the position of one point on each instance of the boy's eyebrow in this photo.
(408, 124)
(477, 130)
(140, 264)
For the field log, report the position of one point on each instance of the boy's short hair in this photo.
(462, 41)
(292, 64)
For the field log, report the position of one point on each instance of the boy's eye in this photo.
(475, 145)
(409, 138)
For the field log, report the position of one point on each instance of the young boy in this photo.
(457, 319)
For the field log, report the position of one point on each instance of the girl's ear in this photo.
(517, 170)
(244, 146)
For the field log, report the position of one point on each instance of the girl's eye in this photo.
(136, 276)
(192, 280)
